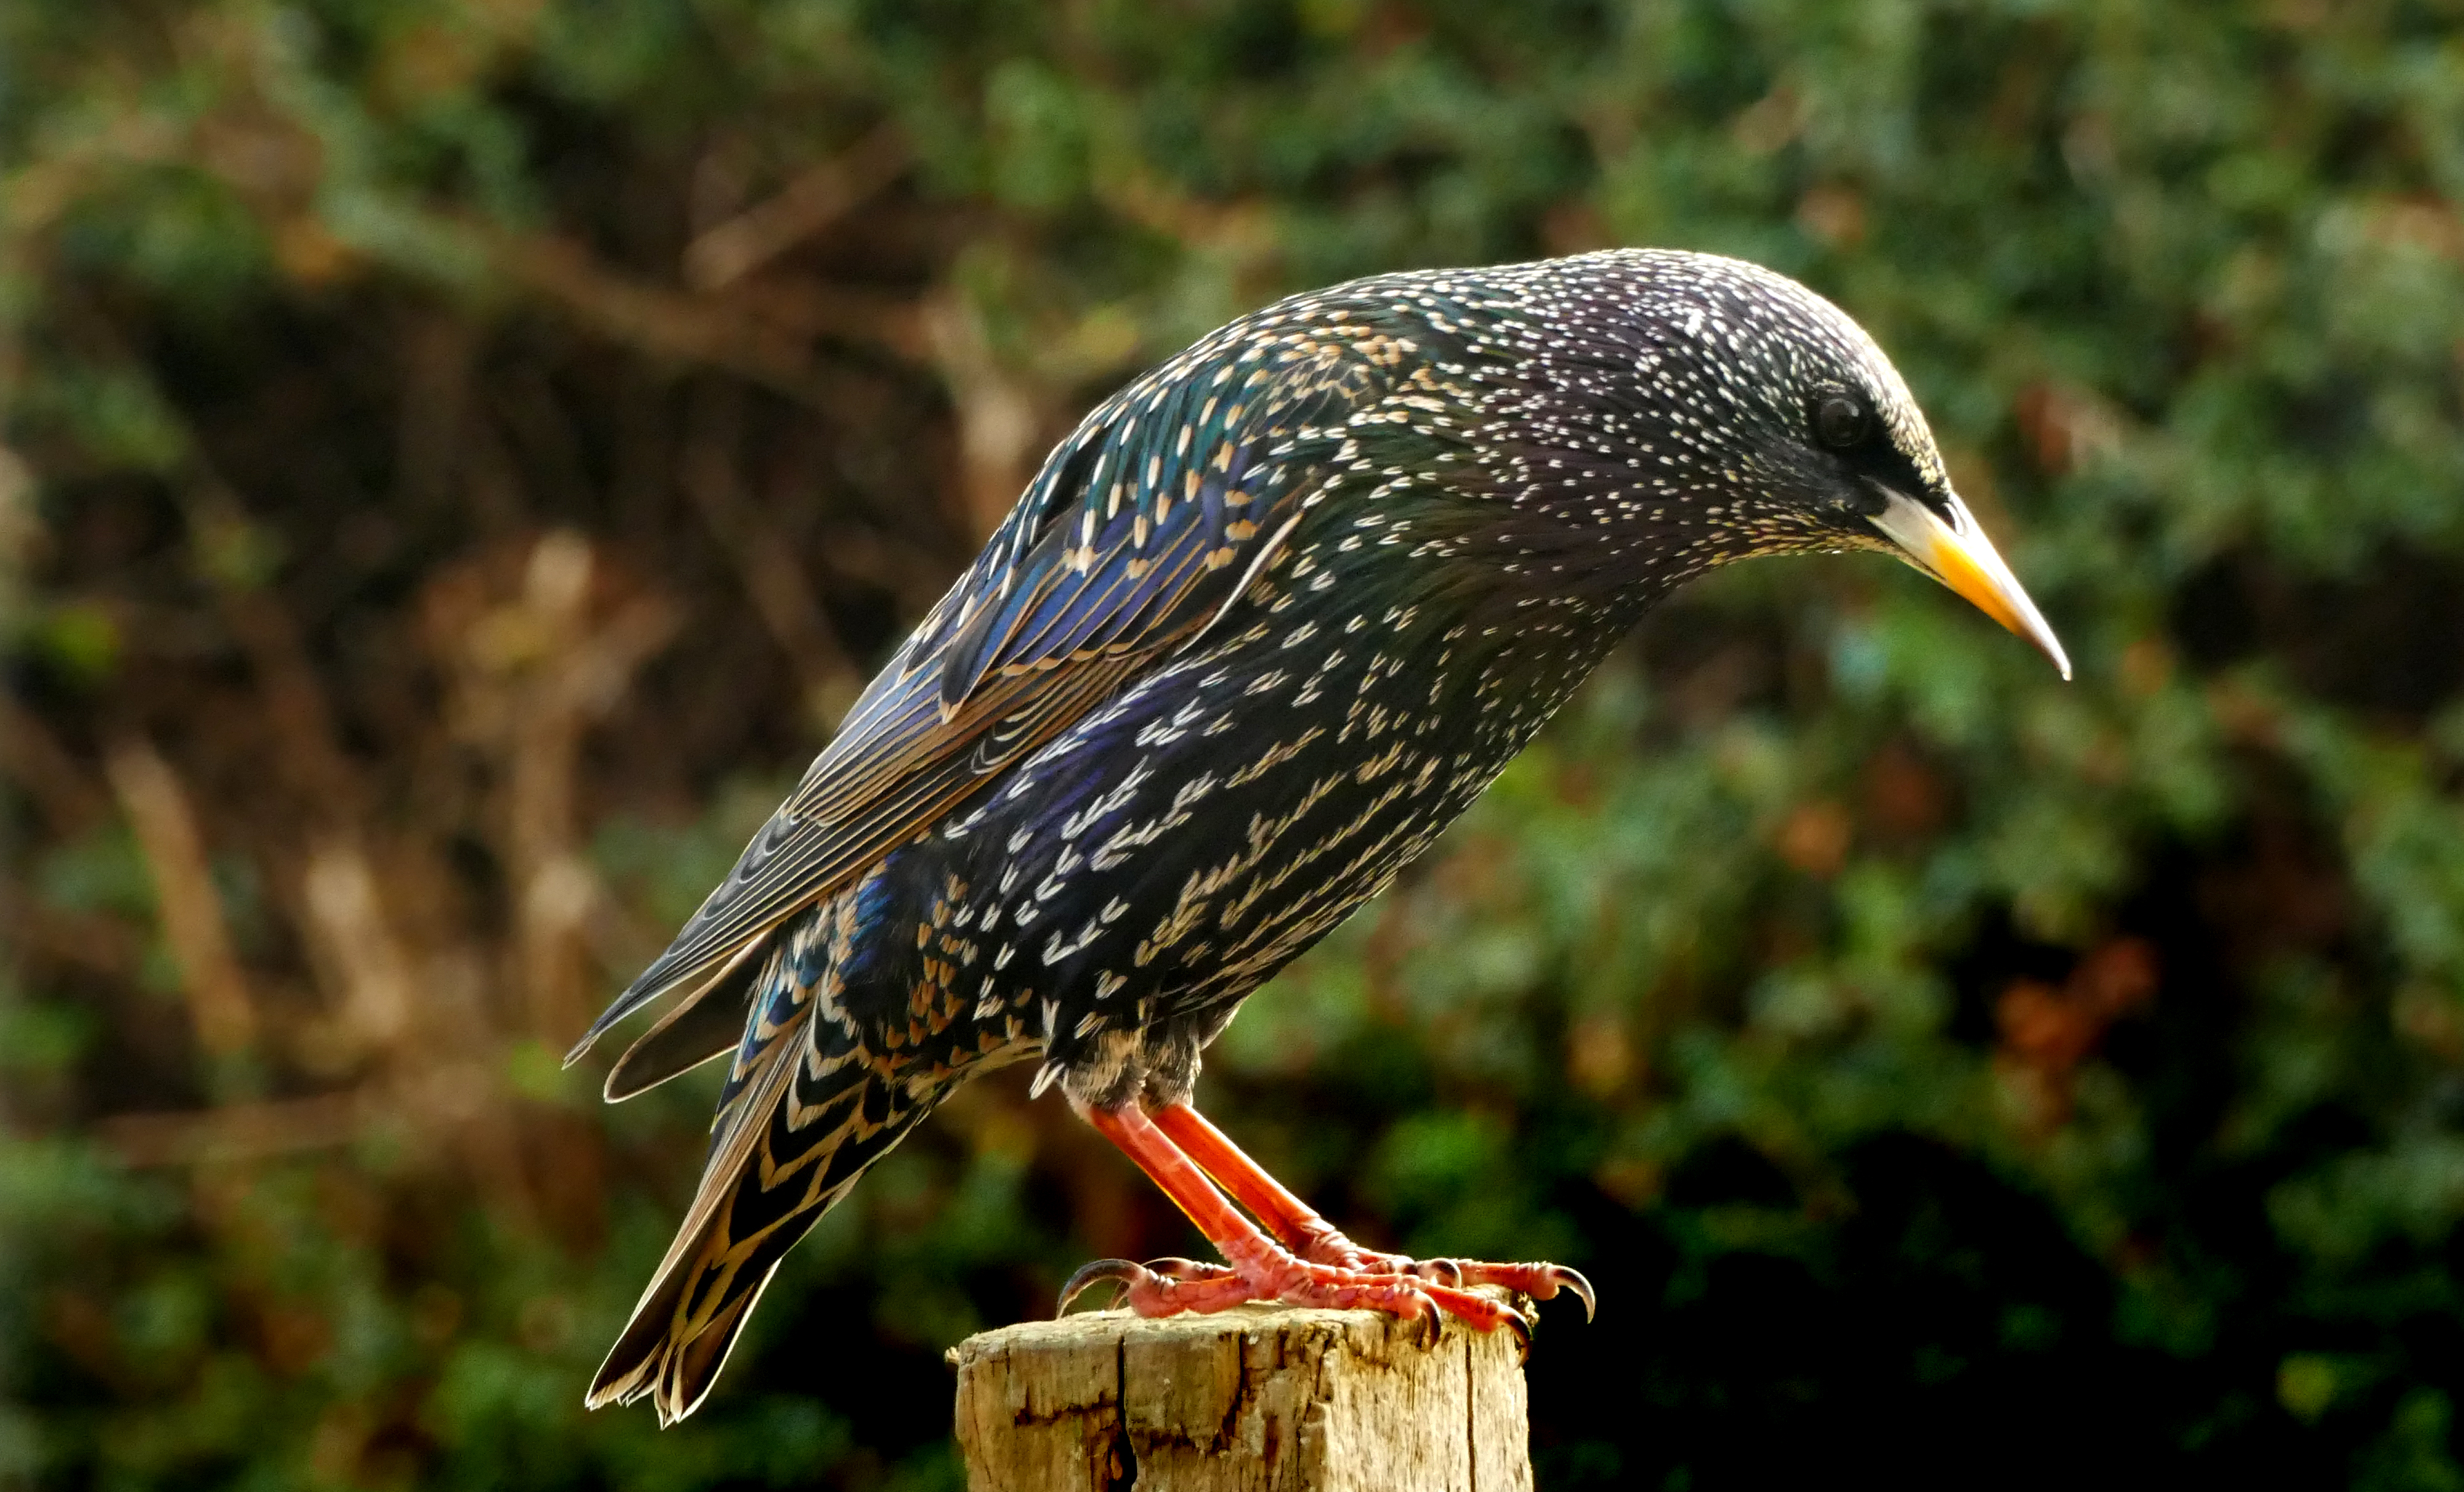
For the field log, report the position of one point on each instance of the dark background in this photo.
(459, 458)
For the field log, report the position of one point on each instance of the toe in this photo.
(1176, 1268)
(1480, 1312)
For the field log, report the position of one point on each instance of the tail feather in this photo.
(787, 1151)
(729, 972)
(705, 1026)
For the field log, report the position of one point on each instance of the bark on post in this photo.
(1253, 1399)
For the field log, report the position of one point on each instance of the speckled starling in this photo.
(1261, 627)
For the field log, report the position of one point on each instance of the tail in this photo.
(803, 1123)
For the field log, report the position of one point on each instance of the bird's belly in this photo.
(1132, 881)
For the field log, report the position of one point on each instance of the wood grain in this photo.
(1258, 1399)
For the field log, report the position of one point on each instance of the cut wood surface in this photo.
(1252, 1399)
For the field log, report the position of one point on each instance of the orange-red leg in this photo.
(1285, 1215)
(1258, 1268)
(1312, 1238)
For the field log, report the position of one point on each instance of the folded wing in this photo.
(1141, 528)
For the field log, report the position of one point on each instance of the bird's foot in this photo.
(1269, 1273)
(1541, 1282)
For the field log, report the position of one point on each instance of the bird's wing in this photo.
(1139, 530)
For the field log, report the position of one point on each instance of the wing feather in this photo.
(1138, 533)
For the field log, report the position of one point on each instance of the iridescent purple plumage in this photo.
(1262, 627)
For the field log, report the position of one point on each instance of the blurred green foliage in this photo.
(1941, 1069)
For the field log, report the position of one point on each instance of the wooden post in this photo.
(1254, 1399)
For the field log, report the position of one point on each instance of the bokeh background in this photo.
(460, 457)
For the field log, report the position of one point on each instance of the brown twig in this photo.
(531, 670)
(91, 941)
(309, 757)
(764, 561)
(812, 308)
(347, 925)
(191, 910)
(680, 327)
(806, 206)
(33, 757)
(585, 671)
(238, 1131)
(998, 417)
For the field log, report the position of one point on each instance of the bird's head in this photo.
(1735, 412)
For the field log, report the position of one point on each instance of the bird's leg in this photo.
(1319, 1241)
(1259, 1267)
(1286, 1217)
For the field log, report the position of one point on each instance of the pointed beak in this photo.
(1957, 553)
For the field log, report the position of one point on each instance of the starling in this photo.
(1259, 629)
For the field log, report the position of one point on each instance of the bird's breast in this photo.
(1226, 809)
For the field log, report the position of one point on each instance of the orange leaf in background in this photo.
(2047, 1031)
(1906, 798)
(1834, 214)
(1814, 838)
(2066, 425)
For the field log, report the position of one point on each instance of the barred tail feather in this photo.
(665, 1358)
(785, 1155)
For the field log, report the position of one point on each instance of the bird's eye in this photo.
(1840, 422)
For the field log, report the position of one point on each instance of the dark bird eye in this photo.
(1840, 422)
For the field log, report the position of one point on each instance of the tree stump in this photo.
(1254, 1399)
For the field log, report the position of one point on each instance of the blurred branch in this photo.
(238, 1131)
(90, 941)
(35, 758)
(347, 924)
(339, 892)
(192, 911)
(807, 205)
(723, 332)
(999, 414)
(439, 349)
(581, 670)
(538, 644)
(766, 562)
(35, 195)
(813, 308)
(21, 527)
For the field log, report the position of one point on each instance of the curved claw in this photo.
(1123, 1272)
(1445, 1271)
(1572, 1283)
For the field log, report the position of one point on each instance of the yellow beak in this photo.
(1956, 552)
